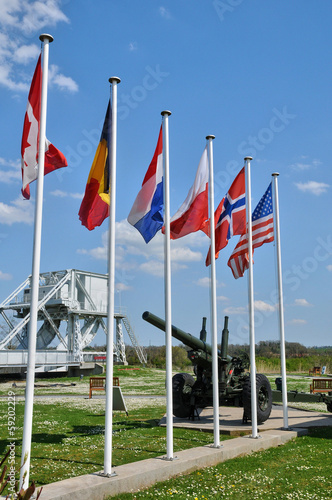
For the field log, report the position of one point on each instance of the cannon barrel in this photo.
(185, 338)
(224, 340)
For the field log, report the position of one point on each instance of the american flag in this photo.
(262, 232)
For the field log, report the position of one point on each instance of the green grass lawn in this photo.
(133, 380)
(137, 381)
(68, 435)
(299, 470)
(68, 428)
(299, 383)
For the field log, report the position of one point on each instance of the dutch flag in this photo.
(146, 214)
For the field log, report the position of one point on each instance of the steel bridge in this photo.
(78, 298)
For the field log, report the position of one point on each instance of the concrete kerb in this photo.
(138, 475)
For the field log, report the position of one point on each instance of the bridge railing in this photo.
(10, 358)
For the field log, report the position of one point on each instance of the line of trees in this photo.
(297, 355)
(271, 349)
(267, 349)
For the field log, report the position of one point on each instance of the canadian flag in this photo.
(54, 159)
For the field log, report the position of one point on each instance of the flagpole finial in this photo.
(210, 137)
(249, 158)
(114, 79)
(275, 174)
(46, 36)
(166, 113)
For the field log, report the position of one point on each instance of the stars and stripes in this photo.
(262, 232)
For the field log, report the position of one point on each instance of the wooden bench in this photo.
(315, 371)
(98, 384)
(321, 385)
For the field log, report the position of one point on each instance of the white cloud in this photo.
(301, 166)
(7, 81)
(305, 164)
(198, 239)
(8, 8)
(63, 194)
(302, 303)
(206, 282)
(12, 172)
(133, 244)
(18, 211)
(6, 47)
(133, 253)
(313, 187)
(154, 267)
(21, 20)
(184, 254)
(222, 298)
(329, 267)
(260, 305)
(25, 53)
(59, 194)
(30, 16)
(61, 81)
(98, 253)
(121, 287)
(36, 15)
(5, 276)
(133, 46)
(164, 13)
(235, 310)
(8, 176)
(297, 322)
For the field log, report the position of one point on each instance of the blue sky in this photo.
(255, 74)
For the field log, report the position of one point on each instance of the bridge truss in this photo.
(78, 298)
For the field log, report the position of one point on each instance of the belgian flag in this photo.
(95, 206)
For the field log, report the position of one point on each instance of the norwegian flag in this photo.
(231, 215)
(262, 232)
(54, 159)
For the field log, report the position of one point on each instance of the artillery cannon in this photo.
(233, 379)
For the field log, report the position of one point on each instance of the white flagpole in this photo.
(215, 376)
(111, 280)
(30, 379)
(281, 301)
(247, 160)
(167, 278)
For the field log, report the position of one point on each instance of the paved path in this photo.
(231, 420)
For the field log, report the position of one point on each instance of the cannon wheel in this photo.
(182, 384)
(264, 398)
(329, 404)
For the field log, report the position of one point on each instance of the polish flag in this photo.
(194, 211)
(54, 159)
